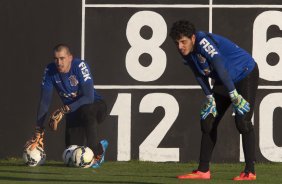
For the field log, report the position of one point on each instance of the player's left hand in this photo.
(209, 107)
(57, 116)
(240, 105)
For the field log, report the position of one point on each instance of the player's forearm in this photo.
(223, 74)
(45, 99)
(203, 82)
(81, 101)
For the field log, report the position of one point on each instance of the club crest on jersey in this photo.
(204, 64)
(201, 58)
(73, 80)
(208, 47)
(84, 70)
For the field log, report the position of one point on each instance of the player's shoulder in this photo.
(51, 67)
(200, 35)
(81, 68)
(203, 36)
(77, 63)
(206, 44)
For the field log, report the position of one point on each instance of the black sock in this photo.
(249, 151)
(98, 149)
(204, 167)
(250, 167)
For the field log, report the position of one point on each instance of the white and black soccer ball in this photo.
(83, 157)
(35, 157)
(67, 154)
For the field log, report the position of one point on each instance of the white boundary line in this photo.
(146, 6)
(210, 16)
(179, 6)
(165, 87)
(83, 29)
(248, 6)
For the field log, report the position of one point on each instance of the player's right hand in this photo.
(57, 116)
(209, 107)
(36, 139)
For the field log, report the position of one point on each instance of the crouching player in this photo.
(236, 75)
(83, 106)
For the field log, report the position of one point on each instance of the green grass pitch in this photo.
(133, 172)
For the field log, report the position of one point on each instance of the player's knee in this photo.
(207, 124)
(243, 126)
(87, 113)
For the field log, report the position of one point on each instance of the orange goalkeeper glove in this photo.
(57, 116)
(36, 139)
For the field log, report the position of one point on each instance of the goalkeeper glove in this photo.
(56, 117)
(209, 107)
(240, 105)
(36, 139)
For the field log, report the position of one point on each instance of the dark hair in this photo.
(182, 28)
(62, 46)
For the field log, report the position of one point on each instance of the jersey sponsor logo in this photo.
(70, 95)
(73, 80)
(208, 47)
(84, 70)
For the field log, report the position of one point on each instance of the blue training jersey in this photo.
(218, 58)
(75, 88)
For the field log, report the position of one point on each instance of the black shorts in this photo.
(247, 87)
(81, 125)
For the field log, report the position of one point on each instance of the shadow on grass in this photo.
(28, 172)
(11, 164)
(20, 164)
(141, 175)
(54, 165)
(69, 181)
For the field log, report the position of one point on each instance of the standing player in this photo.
(83, 106)
(235, 75)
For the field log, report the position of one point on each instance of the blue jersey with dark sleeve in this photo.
(218, 58)
(75, 88)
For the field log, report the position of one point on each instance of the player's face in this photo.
(185, 45)
(63, 60)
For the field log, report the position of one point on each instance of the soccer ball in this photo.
(83, 157)
(35, 157)
(67, 154)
